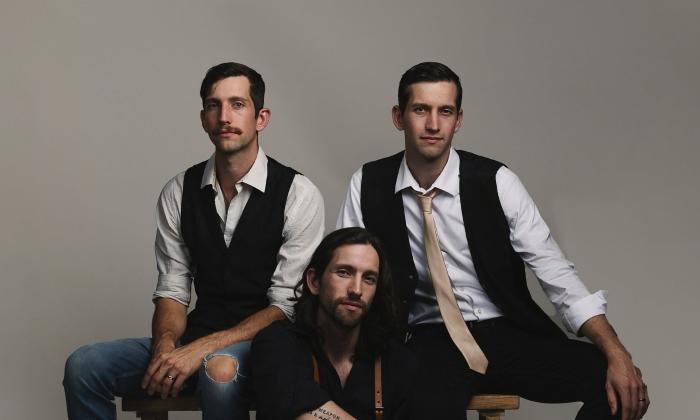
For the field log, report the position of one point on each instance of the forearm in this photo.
(328, 411)
(243, 331)
(169, 321)
(601, 333)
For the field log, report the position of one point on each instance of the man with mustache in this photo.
(329, 363)
(457, 228)
(239, 226)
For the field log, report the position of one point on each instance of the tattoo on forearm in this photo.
(324, 414)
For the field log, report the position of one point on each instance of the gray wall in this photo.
(596, 105)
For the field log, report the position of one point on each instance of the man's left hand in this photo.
(166, 374)
(624, 380)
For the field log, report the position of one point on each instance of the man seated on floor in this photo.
(331, 361)
(241, 227)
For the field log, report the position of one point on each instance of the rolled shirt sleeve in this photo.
(302, 232)
(172, 256)
(532, 240)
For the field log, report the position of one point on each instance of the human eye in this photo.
(210, 106)
(419, 109)
(447, 111)
(238, 105)
(370, 279)
(342, 272)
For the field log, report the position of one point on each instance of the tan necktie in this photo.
(451, 315)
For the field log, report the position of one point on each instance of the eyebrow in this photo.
(229, 99)
(417, 104)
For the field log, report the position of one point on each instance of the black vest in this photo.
(232, 282)
(499, 268)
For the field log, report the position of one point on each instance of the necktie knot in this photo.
(426, 200)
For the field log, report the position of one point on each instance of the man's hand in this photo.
(624, 387)
(624, 380)
(167, 371)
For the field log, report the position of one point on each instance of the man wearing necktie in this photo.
(459, 229)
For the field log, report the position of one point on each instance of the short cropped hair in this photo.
(224, 70)
(428, 72)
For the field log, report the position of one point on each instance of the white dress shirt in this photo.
(302, 232)
(529, 236)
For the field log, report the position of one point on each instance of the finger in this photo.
(612, 398)
(153, 367)
(166, 385)
(626, 403)
(178, 384)
(157, 380)
(646, 402)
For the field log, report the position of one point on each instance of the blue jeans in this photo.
(96, 373)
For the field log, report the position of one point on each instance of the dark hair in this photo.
(380, 322)
(428, 72)
(224, 70)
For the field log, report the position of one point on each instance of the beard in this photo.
(341, 316)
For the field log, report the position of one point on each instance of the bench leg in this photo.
(149, 415)
(491, 414)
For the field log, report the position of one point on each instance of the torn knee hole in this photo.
(222, 368)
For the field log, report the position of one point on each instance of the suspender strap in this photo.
(378, 404)
(315, 363)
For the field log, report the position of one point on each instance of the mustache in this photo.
(355, 302)
(229, 129)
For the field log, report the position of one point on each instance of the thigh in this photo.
(119, 364)
(552, 370)
(445, 383)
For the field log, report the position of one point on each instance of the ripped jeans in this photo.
(96, 373)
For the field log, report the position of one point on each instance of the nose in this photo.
(355, 286)
(225, 113)
(431, 122)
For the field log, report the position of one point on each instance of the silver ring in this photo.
(172, 378)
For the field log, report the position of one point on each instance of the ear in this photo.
(459, 120)
(397, 118)
(262, 120)
(312, 281)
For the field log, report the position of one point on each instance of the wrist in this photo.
(615, 353)
(206, 345)
(164, 342)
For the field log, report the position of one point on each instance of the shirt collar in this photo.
(448, 181)
(256, 176)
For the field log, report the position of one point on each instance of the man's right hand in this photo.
(154, 380)
(169, 320)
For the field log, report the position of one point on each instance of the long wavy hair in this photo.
(379, 324)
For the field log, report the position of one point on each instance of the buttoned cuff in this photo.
(584, 309)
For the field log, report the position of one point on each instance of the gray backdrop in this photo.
(596, 105)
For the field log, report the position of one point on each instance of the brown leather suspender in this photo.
(378, 404)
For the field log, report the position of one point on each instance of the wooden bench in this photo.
(490, 407)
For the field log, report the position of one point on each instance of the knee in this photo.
(221, 368)
(80, 366)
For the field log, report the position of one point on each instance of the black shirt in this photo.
(283, 381)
